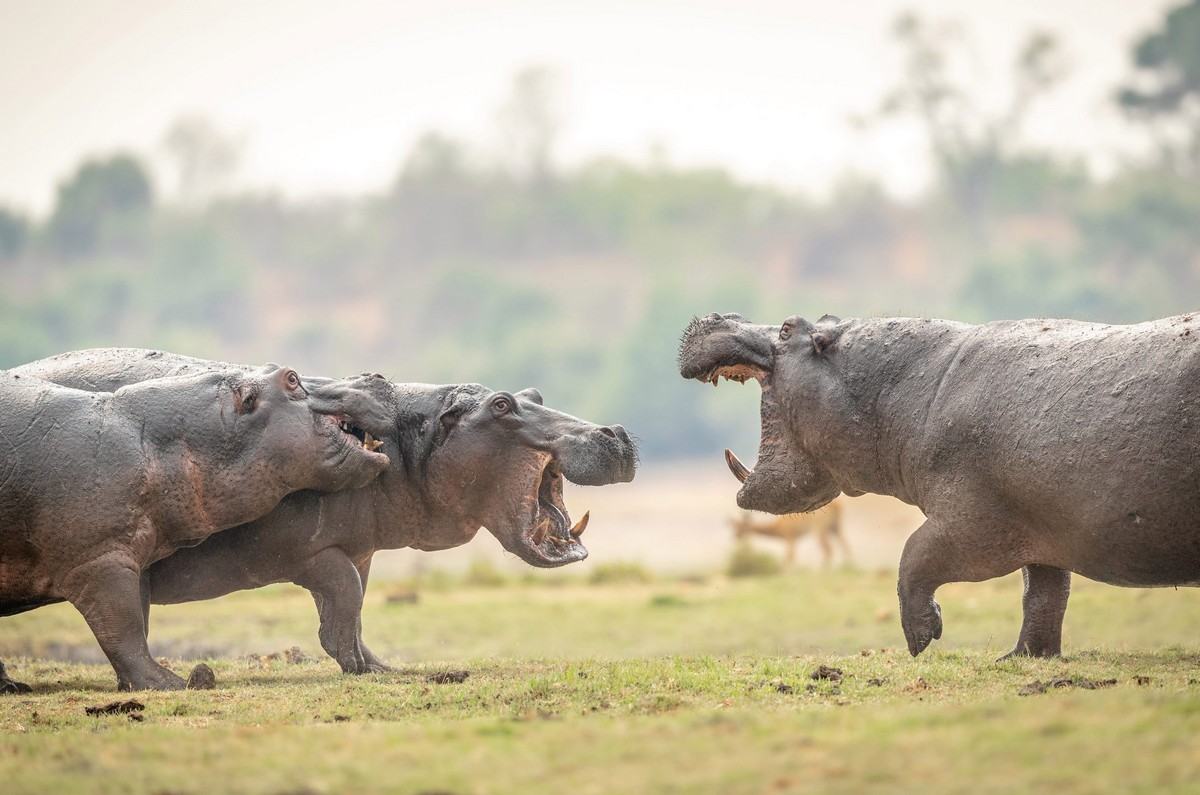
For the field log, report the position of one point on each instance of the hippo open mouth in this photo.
(369, 443)
(784, 480)
(550, 539)
(355, 439)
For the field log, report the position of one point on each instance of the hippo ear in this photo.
(447, 420)
(531, 394)
(829, 319)
(822, 339)
(245, 397)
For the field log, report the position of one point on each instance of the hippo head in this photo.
(499, 460)
(316, 432)
(787, 477)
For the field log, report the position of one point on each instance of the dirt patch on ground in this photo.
(448, 677)
(1036, 688)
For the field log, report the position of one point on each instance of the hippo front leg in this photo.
(11, 685)
(337, 590)
(107, 593)
(1044, 605)
(933, 557)
(374, 664)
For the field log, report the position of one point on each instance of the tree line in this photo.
(578, 280)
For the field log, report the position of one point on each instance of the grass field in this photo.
(688, 686)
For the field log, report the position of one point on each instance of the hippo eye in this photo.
(293, 380)
(785, 331)
(501, 405)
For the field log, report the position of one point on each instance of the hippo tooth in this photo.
(539, 533)
(736, 467)
(371, 443)
(580, 526)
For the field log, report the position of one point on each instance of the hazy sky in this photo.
(329, 96)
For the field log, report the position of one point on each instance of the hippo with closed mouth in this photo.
(96, 486)
(463, 457)
(1050, 446)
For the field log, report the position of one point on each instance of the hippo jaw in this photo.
(354, 451)
(539, 531)
(785, 479)
(352, 413)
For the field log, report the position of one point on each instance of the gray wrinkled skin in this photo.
(1051, 446)
(96, 486)
(462, 457)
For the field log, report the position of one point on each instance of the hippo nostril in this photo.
(609, 432)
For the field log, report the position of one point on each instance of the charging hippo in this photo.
(1051, 446)
(96, 486)
(463, 457)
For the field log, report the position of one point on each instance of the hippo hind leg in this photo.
(1044, 605)
(8, 685)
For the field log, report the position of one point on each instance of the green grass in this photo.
(667, 686)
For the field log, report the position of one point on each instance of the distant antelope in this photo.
(825, 524)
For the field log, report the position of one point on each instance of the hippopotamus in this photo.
(1050, 446)
(96, 486)
(463, 457)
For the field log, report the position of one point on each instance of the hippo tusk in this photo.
(371, 443)
(580, 526)
(736, 467)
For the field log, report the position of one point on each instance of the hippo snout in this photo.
(598, 456)
(617, 432)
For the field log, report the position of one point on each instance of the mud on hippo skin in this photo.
(1003, 434)
(462, 457)
(135, 474)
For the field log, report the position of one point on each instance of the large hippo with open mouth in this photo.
(463, 457)
(1051, 446)
(96, 486)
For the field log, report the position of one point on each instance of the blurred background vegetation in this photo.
(517, 271)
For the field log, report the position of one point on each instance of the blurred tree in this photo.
(205, 159)
(530, 121)
(14, 232)
(1165, 91)
(102, 208)
(970, 146)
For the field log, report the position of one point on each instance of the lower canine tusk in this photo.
(580, 526)
(736, 467)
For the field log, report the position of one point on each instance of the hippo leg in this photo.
(337, 590)
(108, 595)
(933, 557)
(1044, 605)
(10, 685)
(374, 664)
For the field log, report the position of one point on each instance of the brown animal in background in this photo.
(790, 528)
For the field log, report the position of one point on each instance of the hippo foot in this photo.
(922, 629)
(156, 678)
(8, 686)
(366, 667)
(1023, 649)
(379, 668)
